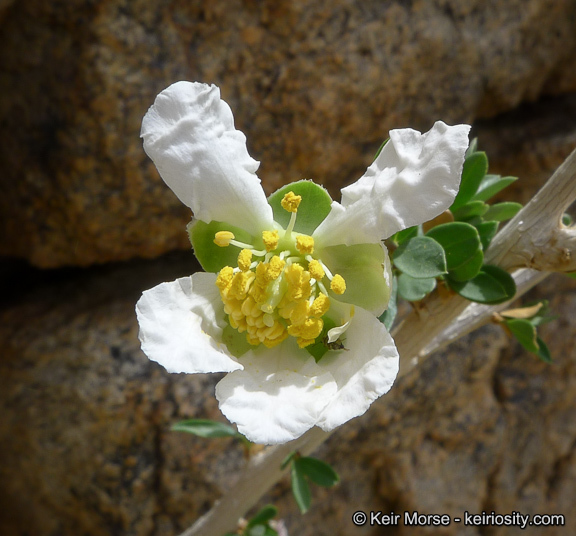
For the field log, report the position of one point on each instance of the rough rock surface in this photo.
(314, 85)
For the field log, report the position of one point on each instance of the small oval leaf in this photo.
(492, 285)
(460, 241)
(475, 167)
(318, 471)
(525, 332)
(205, 428)
(300, 488)
(412, 289)
(502, 211)
(420, 257)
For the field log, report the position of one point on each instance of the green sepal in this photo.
(235, 341)
(420, 257)
(300, 488)
(212, 257)
(472, 209)
(487, 231)
(491, 185)
(491, 286)
(412, 289)
(315, 205)
(362, 267)
(474, 170)
(502, 211)
(460, 241)
(317, 471)
(389, 315)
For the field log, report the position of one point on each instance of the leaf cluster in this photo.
(450, 249)
(305, 469)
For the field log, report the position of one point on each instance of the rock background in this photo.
(85, 446)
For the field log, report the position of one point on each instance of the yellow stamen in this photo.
(305, 244)
(307, 330)
(338, 285)
(316, 270)
(275, 267)
(244, 260)
(290, 202)
(223, 238)
(224, 277)
(320, 306)
(270, 239)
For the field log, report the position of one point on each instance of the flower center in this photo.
(282, 293)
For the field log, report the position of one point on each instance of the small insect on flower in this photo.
(338, 344)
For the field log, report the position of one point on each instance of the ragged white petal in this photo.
(189, 134)
(278, 396)
(180, 326)
(415, 177)
(363, 373)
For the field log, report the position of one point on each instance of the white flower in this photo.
(290, 310)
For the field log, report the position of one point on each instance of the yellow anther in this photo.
(270, 239)
(308, 330)
(338, 285)
(302, 343)
(275, 267)
(298, 283)
(244, 260)
(320, 306)
(290, 202)
(300, 313)
(316, 270)
(224, 277)
(222, 238)
(240, 285)
(305, 244)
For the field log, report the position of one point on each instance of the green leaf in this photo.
(388, 316)
(263, 516)
(212, 257)
(460, 241)
(487, 231)
(543, 351)
(317, 471)
(412, 289)
(468, 270)
(566, 219)
(571, 275)
(470, 210)
(380, 148)
(475, 167)
(472, 147)
(205, 428)
(314, 207)
(525, 332)
(491, 185)
(492, 285)
(286, 461)
(405, 234)
(420, 257)
(502, 211)
(300, 489)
